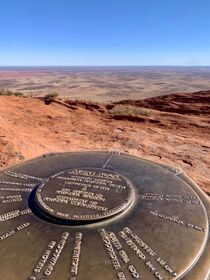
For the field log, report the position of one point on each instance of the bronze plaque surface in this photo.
(101, 216)
(84, 194)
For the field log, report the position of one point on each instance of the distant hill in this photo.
(196, 103)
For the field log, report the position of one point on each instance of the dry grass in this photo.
(128, 110)
(7, 92)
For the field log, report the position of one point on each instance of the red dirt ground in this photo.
(176, 132)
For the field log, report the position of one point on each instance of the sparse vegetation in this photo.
(128, 110)
(18, 93)
(6, 92)
(50, 97)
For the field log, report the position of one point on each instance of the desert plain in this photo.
(104, 84)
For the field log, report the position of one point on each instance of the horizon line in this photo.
(1, 66)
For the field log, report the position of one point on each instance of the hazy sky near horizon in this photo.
(104, 32)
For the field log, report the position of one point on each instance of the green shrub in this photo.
(51, 95)
(18, 93)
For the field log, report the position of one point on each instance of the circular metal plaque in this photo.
(101, 216)
(84, 194)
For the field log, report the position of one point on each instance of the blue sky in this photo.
(104, 32)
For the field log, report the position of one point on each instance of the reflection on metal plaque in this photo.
(101, 216)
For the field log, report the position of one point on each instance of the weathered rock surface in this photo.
(176, 131)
